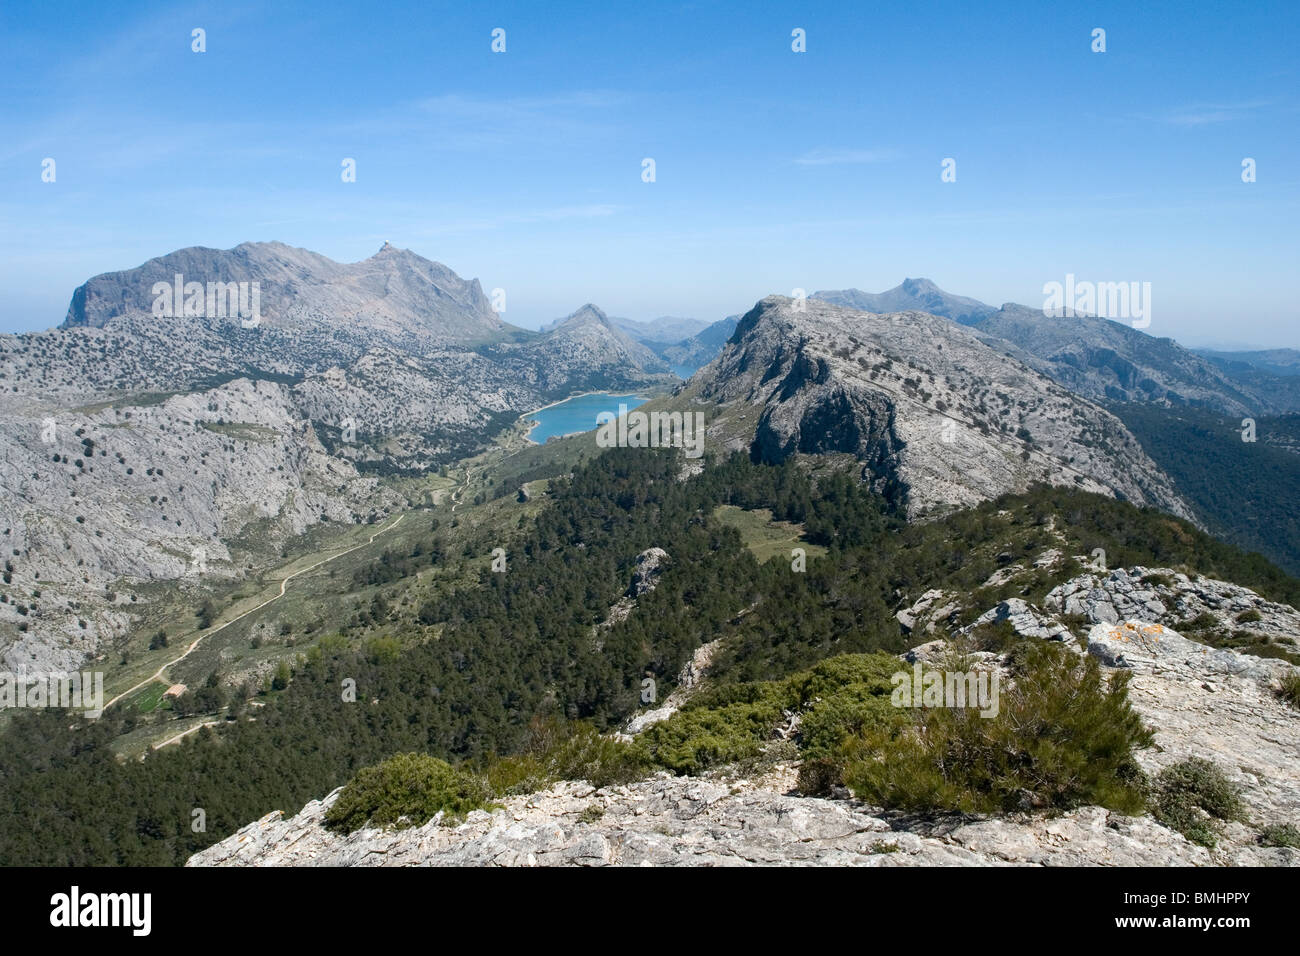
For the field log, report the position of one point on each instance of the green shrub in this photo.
(998, 636)
(1202, 622)
(1281, 834)
(1063, 736)
(601, 761)
(819, 776)
(1192, 795)
(406, 790)
(1249, 616)
(563, 750)
(694, 739)
(1289, 689)
(733, 722)
(842, 696)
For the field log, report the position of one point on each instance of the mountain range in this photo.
(1103, 359)
(132, 442)
(232, 512)
(912, 295)
(137, 438)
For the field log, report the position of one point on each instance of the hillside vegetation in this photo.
(501, 651)
(1242, 491)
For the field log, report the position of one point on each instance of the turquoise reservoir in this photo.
(577, 414)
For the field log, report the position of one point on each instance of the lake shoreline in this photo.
(533, 426)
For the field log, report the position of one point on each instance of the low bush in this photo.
(1193, 796)
(1063, 736)
(1281, 834)
(1289, 689)
(407, 790)
(697, 738)
(833, 699)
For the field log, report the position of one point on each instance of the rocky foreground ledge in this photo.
(1200, 701)
(677, 821)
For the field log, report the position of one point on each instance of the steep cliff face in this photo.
(100, 502)
(832, 417)
(926, 405)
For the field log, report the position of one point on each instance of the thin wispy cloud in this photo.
(1205, 114)
(472, 122)
(846, 157)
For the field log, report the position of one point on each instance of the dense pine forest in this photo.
(1243, 491)
(531, 643)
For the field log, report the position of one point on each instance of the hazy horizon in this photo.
(774, 169)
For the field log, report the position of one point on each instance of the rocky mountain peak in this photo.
(394, 292)
(912, 294)
(919, 286)
(925, 404)
(587, 314)
(588, 337)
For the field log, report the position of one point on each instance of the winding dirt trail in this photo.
(284, 584)
(183, 734)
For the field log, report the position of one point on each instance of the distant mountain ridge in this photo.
(395, 291)
(1103, 359)
(702, 348)
(654, 333)
(664, 330)
(1110, 361)
(1275, 361)
(912, 295)
(1271, 374)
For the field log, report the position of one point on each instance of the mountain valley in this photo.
(317, 558)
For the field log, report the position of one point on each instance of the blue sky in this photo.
(774, 169)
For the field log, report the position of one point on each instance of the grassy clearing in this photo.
(150, 698)
(765, 538)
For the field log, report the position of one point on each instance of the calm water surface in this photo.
(577, 414)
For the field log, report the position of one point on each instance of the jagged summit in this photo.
(390, 252)
(587, 313)
(589, 338)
